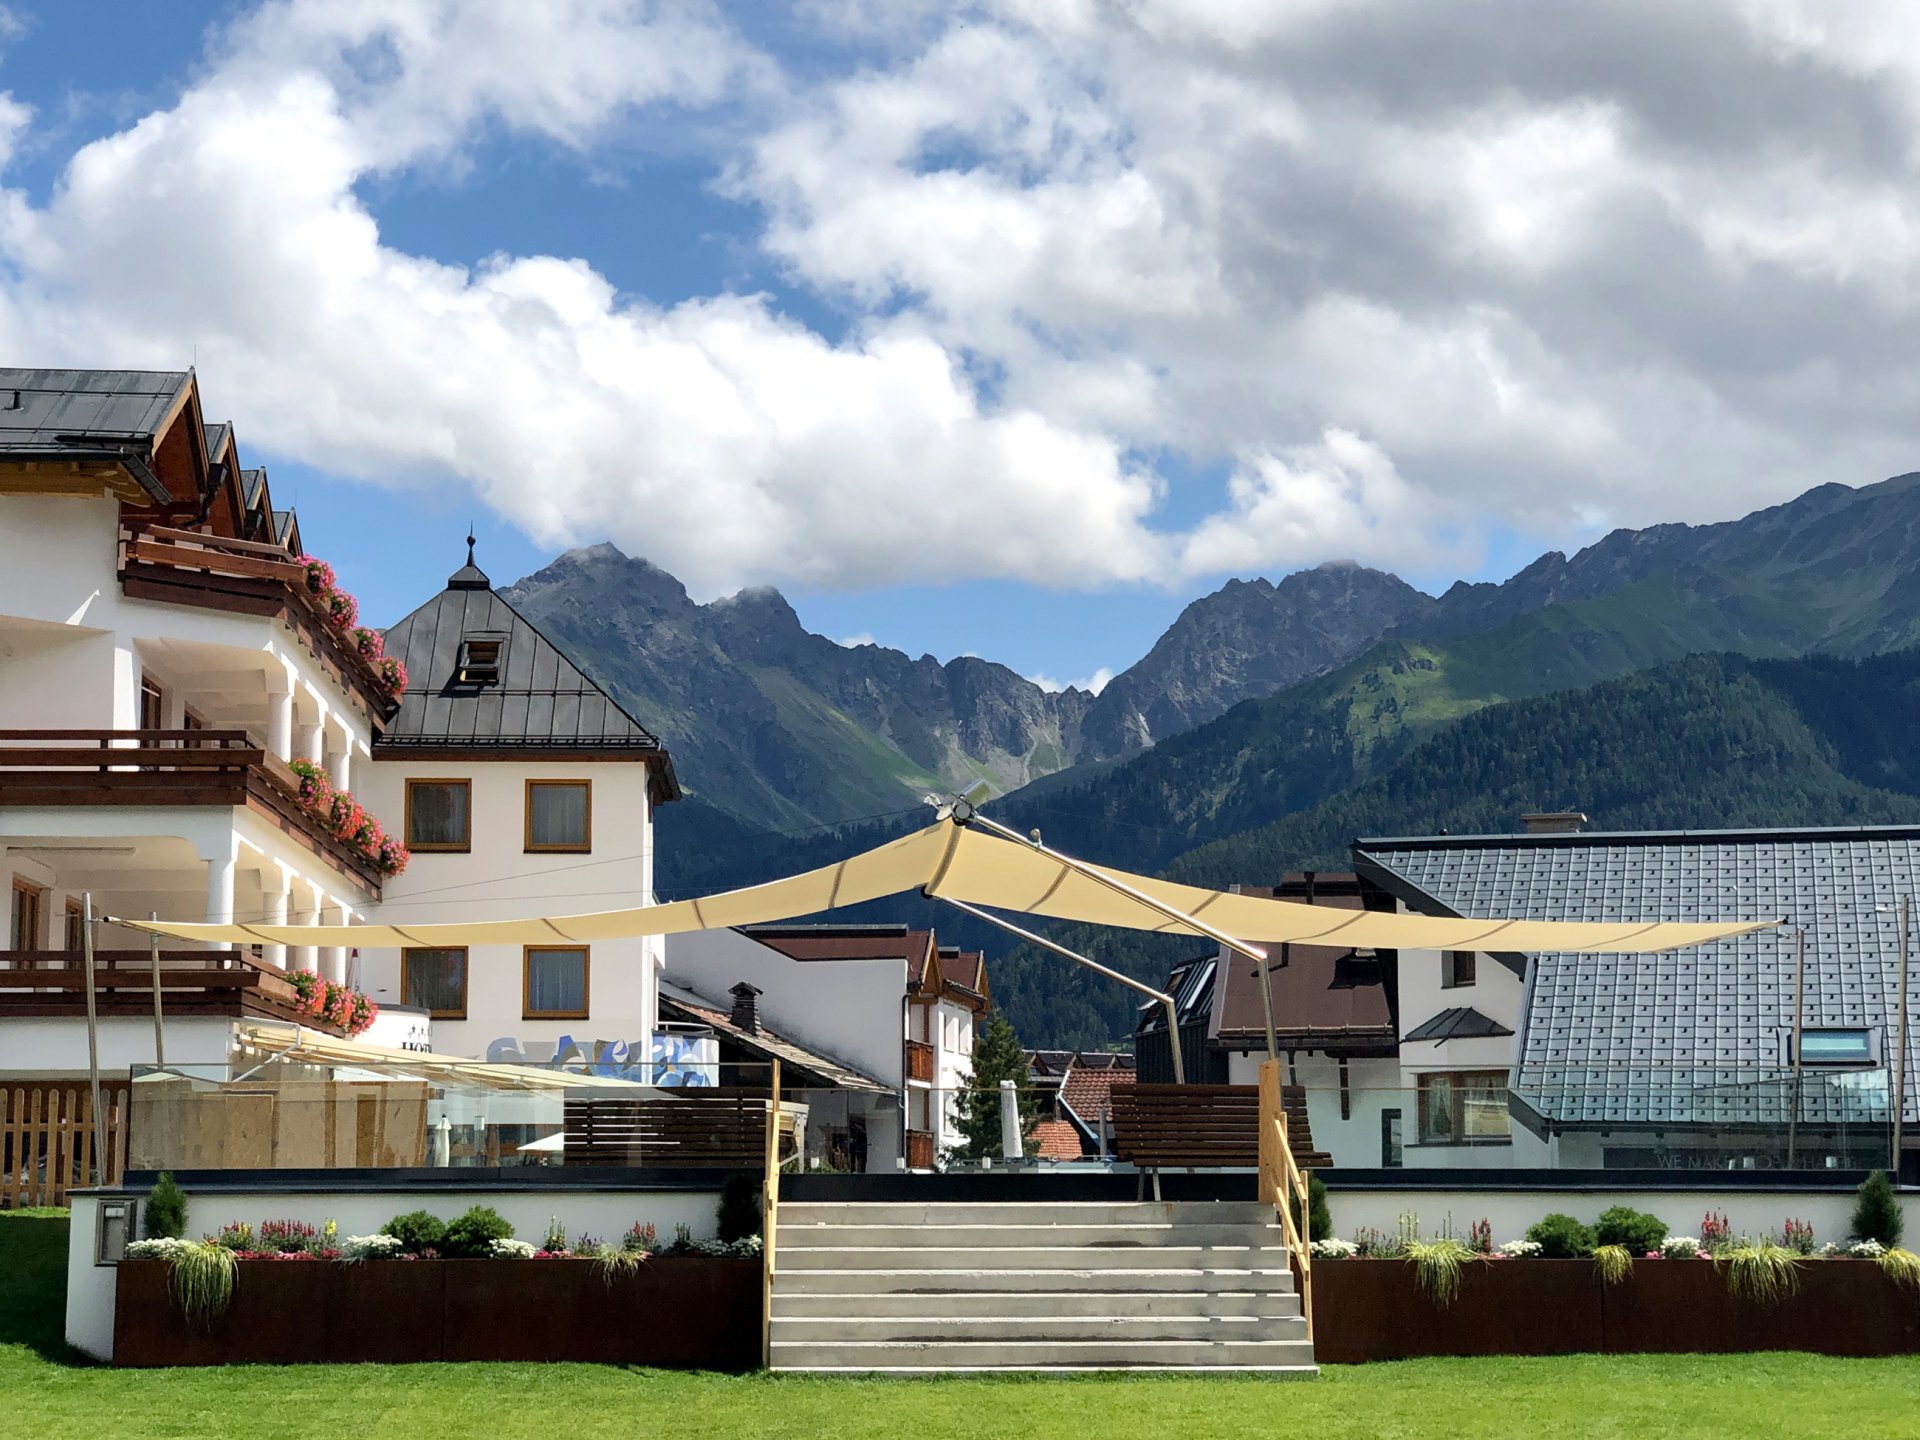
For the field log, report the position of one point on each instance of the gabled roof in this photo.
(1695, 1036)
(1460, 1023)
(1325, 997)
(851, 942)
(1087, 1089)
(540, 702)
(684, 1005)
(114, 416)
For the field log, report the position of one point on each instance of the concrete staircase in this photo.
(923, 1288)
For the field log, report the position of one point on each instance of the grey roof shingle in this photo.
(1696, 1036)
(113, 407)
(1462, 1022)
(541, 700)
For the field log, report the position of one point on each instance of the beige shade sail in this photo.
(950, 860)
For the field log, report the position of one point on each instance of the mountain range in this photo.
(1273, 721)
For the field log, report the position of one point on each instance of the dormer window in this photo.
(480, 657)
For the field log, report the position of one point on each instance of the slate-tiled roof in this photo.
(541, 700)
(1462, 1022)
(1696, 1036)
(110, 406)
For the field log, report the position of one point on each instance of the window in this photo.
(555, 985)
(560, 815)
(28, 900)
(1464, 1107)
(76, 927)
(435, 981)
(1390, 1139)
(439, 814)
(1836, 1047)
(152, 706)
(1456, 969)
(480, 659)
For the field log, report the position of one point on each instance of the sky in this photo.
(1004, 327)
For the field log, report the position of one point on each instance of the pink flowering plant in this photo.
(347, 820)
(348, 1009)
(342, 614)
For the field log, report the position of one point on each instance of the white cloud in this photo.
(854, 642)
(1409, 271)
(1093, 684)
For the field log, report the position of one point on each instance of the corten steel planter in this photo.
(1375, 1310)
(684, 1312)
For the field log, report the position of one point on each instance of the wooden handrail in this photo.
(187, 558)
(186, 757)
(215, 542)
(770, 1217)
(108, 739)
(1281, 1181)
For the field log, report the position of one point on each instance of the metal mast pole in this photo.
(1120, 887)
(1799, 1006)
(1166, 1000)
(159, 1028)
(93, 1041)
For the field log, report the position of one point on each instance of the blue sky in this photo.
(968, 326)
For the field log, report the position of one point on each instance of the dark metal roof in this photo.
(250, 483)
(540, 701)
(1190, 983)
(676, 1004)
(1324, 996)
(1695, 1036)
(1462, 1022)
(59, 411)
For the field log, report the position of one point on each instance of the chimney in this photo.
(1553, 822)
(746, 1008)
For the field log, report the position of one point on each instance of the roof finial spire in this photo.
(469, 544)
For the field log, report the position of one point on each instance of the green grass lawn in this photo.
(45, 1395)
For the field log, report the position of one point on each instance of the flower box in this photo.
(1376, 1310)
(678, 1312)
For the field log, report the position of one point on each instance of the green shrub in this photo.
(739, 1214)
(417, 1232)
(471, 1236)
(1561, 1237)
(166, 1210)
(1319, 1216)
(1638, 1231)
(1876, 1215)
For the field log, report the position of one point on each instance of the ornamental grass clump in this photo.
(1436, 1264)
(1760, 1271)
(1613, 1262)
(1901, 1266)
(201, 1279)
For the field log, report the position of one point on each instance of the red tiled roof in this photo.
(1056, 1140)
(1088, 1087)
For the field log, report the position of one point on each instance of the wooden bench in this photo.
(1204, 1127)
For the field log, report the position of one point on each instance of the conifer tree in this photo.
(997, 1056)
(1876, 1215)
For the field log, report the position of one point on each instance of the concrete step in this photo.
(904, 1305)
(948, 1355)
(1076, 1329)
(1205, 1212)
(792, 1238)
(951, 1281)
(1029, 1257)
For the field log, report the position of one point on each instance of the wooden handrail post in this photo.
(769, 1218)
(1284, 1186)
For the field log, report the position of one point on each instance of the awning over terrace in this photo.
(298, 1043)
(954, 861)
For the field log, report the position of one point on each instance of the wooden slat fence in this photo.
(1172, 1127)
(46, 1142)
(727, 1131)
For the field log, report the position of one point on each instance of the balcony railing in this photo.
(919, 1150)
(168, 767)
(919, 1061)
(187, 567)
(232, 983)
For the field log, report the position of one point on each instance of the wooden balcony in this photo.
(920, 1061)
(919, 1150)
(185, 567)
(222, 983)
(168, 767)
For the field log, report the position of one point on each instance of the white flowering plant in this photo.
(159, 1249)
(1866, 1250)
(512, 1250)
(1520, 1249)
(371, 1247)
(1679, 1247)
(1333, 1248)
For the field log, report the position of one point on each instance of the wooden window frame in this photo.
(466, 976)
(72, 940)
(37, 894)
(152, 688)
(464, 847)
(585, 848)
(1457, 1088)
(527, 952)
